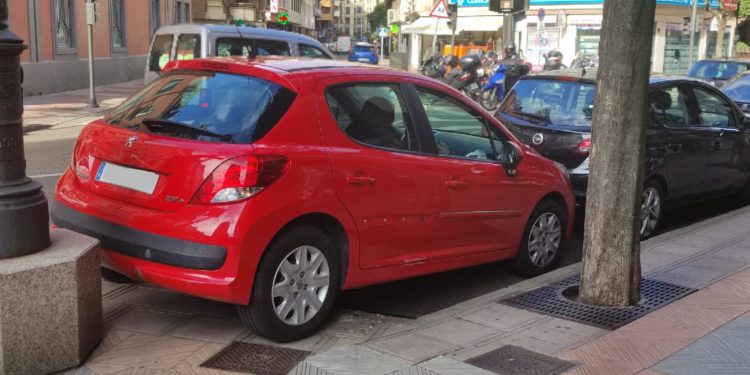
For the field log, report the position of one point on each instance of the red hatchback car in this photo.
(274, 183)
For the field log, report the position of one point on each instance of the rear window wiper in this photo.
(162, 125)
(534, 116)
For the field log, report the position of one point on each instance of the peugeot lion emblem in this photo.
(130, 141)
(537, 139)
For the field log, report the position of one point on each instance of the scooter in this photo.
(493, 91)
(468, 81)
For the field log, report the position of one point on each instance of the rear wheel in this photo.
(295, 286)
(745, 194)
(488, 99)
(652, 202)
(115, 277)
(542, 241)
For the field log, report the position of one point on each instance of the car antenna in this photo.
(237, 24)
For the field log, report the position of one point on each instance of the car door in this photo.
(677, 143)
(388, 187)
(481, 208)
(725, 163)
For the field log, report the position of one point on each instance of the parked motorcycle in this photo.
(433, 66)
(493, 91)
(467, 82)
(553, 60)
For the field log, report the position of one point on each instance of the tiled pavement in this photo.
(152, 331)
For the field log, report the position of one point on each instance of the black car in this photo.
(697, 145)
(738, 89)
(717, 72)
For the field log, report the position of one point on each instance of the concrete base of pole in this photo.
(93, 104)
(23, 210)
(50, 306)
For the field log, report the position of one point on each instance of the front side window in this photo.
(117, 23)
(668, 107)
(64, 17)
(264, 47)
(188, 47)
(459, 131)
(550, 102)
(714, 111)
(310, 51)
(207, 106)
(372, 114)
(160, 51)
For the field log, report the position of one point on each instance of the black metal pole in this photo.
(24, 219)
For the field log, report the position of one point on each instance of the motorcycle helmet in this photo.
(510, 50)
(470, 62)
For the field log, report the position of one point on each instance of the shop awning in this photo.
(426, 25)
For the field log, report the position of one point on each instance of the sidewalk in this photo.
(155, 331)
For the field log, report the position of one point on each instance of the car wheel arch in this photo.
(331, 227)
(662, 181)
(557, 198)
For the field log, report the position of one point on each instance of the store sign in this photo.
(714, 3)
(274, 6)
(730, 5)
(585, 20)
(472, 3)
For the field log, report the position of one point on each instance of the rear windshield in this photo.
(551, 102)
(716, 70)
(222, 107)
(739, 89)
(260, 47)
(362, 49)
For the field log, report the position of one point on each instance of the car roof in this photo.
(244, 30)
(362, 44)
(733, 59)
(589, 76)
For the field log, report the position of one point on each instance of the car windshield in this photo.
(235, 108)
(716, 70)
(551, 102)
(362, 49)
(739, 89)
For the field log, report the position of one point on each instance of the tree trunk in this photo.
(611, 272)
(722, 25)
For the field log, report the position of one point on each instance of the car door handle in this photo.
(674, 146)
(717, 145)
(455, 184)
(360, 180)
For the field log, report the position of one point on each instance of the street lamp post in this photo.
(24, 227)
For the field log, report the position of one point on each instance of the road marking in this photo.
(47, 175)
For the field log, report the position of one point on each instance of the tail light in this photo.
(240, 178)
(584, 147)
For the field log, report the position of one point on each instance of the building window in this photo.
(154, 14)
(64, 21)
(181, 12)
(117, 24)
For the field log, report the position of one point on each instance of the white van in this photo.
(189, 41)
(343, 44)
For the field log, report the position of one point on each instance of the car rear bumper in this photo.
(139, 244)
(579, 183)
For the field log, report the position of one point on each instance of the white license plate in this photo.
(363, 59)
(473, 86)
(130, 178)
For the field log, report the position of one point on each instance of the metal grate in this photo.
(256, 359)
(549, 300)
(513, 360)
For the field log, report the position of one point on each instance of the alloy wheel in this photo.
(300, 285)
(544, 239)
(650, 210)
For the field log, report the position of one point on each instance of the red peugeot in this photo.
(274, 183)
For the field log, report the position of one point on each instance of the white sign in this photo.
(440, 10)
(274, 8)
(562, 19)
(382, 32)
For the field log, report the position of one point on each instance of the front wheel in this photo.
(542, 241)
(295, 286)
(651, 208)
(488, 99)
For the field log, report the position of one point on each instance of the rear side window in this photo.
(265, 47)
(310, 51)
(207, 106)
(372, 114)
(364, 49)
(160, 51)
(188, 47)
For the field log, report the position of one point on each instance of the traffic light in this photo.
(508, 6)
(452, 14)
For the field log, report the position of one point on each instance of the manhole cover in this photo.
(513, 360)
(549, 300)
(256, 359)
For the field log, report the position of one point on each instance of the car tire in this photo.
(547, 224)
(267, 314)
(489, 99)
(744, 196)
(116, 277)
(652, 208)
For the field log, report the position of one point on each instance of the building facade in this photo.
(574, 27)
(56, 33)
(353, 18)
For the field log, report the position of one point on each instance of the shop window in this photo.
(587, 41)
(677, 49)
(117, 25)
(711, 43)
(64, 21)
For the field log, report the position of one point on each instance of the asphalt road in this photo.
(48, 153)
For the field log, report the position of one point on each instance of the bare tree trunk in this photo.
(611, 272)
(722, 22)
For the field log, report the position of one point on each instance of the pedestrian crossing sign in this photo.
(440, 10)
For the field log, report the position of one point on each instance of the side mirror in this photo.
(745, 123)
(510, 157)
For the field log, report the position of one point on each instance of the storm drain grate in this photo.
(549, 300)
(512, 360)
(256, 359)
